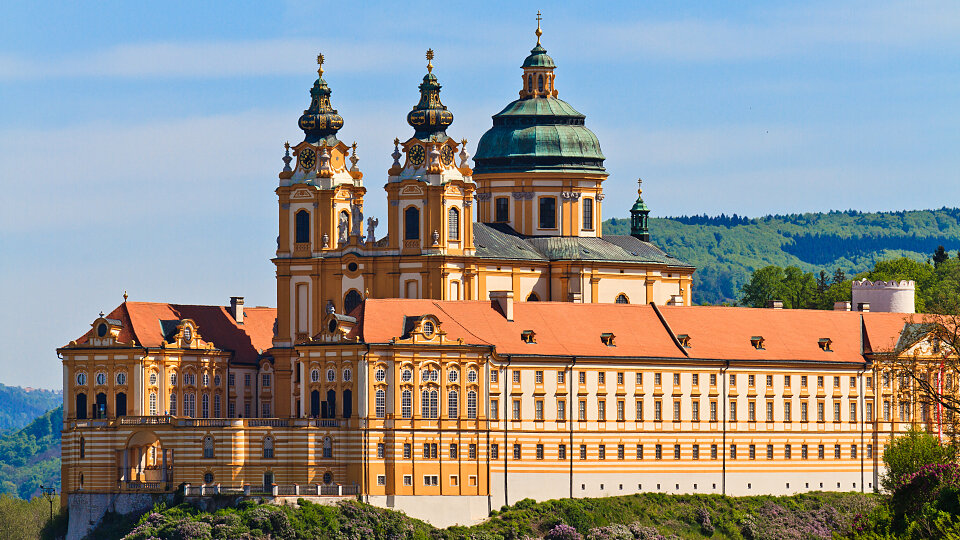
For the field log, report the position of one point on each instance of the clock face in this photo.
(308, 158)
(416, 156)
(446, 156)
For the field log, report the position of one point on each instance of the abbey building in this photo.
(490, 344)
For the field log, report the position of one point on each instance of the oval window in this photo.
(331, 375)
(472, 375)
(347, 374)
(380, 375)
(101, 330)
(121, 378)
(101, 378)
(208, 478)
(406, 375)
(81, 379)
(352, 267)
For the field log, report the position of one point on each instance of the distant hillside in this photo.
(19, 406)
(31, 456)
(727, 249)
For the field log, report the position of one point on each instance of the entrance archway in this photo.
(144, 463)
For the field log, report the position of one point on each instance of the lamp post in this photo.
(48, 493)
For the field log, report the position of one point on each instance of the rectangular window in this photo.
(246, 379)
(602, 410)
(733, 410)
(786, 381)
(752, 411)
(769, 451)
(733, 380)
(381, 450)
(516, 409)
(408, 479)
(639, 381)
(539, 451)
(869, 451)
(516, 376)
(538, 377)
(819, 381)
(502, 210)
(582, 377)
(453, 451)
(583, 451)
(803, 452)
(695, 411)
(431, 480)
(231, 379)
(494, 409)
(620, 411)
(836, 382)
(869, 406)
(853, 382)
(733, 451)
(676, 451)
(247, 409)
(769, 411)
(787, 412)
(657, 377)
(713, 411)
(658, 451)
(639, 451)
(696, 451)
(639, 410)
(886, 411)
(751, 380)
(494, 376)
(494, 451)
(820, 411)
(695, 379)
(406, 450)
(620, 378)
(676, 379)
(582, 410)
(836, 451)
(561, 410)
(621, 451)
(561, 377)
(713, 451)
(803, 411)
(602, 451)
(820, 451)
(803, 381)
(853, 411)
(588, 214)
(658, 411)
(472, 451)
(769, 380)
(676, 410)
(265, 380)
(786, 451)
(231, 409)
(381, 480)
(853, 451)
(265, 409)
(753, 451)
(562, 452)
(713, 379)
(548, 213)
(538, 410)
(516, 451)
(836, 411)
(602, 377)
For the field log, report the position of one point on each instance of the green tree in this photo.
(765, 284)
(939, 256)
(908, 452)
(799, 289)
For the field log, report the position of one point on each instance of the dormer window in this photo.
(607, 339)
(825, 344)
(428, 328)
(528, 336)
(684, 340)
(101, 329)
(757, 342)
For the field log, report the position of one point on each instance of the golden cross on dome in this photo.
(320, 63)
(639, 186)
(429, 60)
(539, 32)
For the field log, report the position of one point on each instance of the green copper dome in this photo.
(538, 58)
(320, 121)
(538, 134)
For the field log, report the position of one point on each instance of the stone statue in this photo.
(371, 227)
(357, 218)
(343, 228)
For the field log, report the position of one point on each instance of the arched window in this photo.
(153, 403)
(453, 404)
(540, 83)
(411, 223)
(327, 448)
(332, 403)
(190, 405)
(588, 214)
(173, 378)
(315, 403)
(529, 83)
(205, 406)
(173, 404)
(268, 447)
(532, 297)
(351, 301)
(471, 404)
(622, 299)
(406, 404)
(429, 403)
(216, 406)
(100, 408)
(453, 223)
(347, 403)
(208, 447)
(121, 403)
(81, 406)
(83, 447)
(380, 403)
(302, 226)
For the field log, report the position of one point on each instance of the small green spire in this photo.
(639, 216)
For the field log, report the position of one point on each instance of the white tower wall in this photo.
(885, 296)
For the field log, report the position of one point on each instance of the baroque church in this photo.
(491, 345)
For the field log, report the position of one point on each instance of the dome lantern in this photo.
(430, 118)
(639, 216)
(320, 121)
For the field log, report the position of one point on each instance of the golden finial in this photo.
(320, 63)
(463, 142)
(639, 186)
(539, 32)
(286, 146)
(429, 60)
(396, 141)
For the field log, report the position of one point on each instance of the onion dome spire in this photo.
(320, 121)
(430, 118)
(639, 215)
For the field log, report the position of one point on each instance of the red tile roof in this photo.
(141, 324)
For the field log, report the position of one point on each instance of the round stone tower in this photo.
(884, 296)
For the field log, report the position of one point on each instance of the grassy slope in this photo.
(31, 456)
(811, 515)
(726, 253)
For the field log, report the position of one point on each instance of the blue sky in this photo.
(140, 142)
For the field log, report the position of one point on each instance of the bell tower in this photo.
(430, 196)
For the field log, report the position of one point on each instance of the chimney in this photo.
(503, 301)
(775, 304)
(863, 306)
(236, 308)
(841, 306)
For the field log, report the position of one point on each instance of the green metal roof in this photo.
(538, 58)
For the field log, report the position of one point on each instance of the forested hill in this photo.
(20, 406)
(727, 249)
(31, 456)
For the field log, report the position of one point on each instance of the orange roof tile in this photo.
(141, 324)
(883, 330)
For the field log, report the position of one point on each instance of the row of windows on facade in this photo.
(411, 221)
(189, 379)
(538, 376)
(429, 480)
(429, 403)
(331, 375)
(658, 416)
(429, 450)
(426, 375)
(547, 212)
(267, 447)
